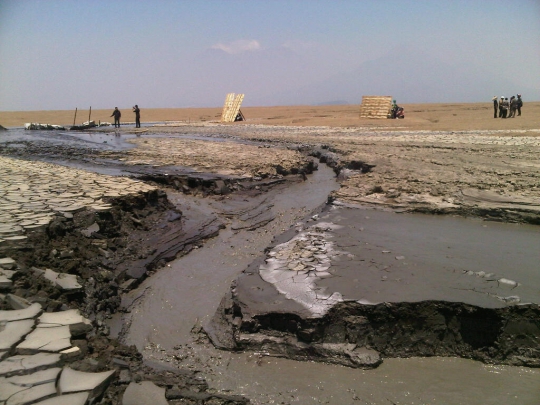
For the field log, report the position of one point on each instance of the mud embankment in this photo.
(358, 335)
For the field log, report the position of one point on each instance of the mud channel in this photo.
(398, 308)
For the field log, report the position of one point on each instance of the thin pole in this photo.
(75, 118)
(89, 114)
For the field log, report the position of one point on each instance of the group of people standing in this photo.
(507, 108)
(117, 114)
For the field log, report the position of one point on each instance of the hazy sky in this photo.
(77, 53)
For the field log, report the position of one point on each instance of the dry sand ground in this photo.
(436, 117)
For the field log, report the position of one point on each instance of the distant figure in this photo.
(501, 101)
(519, 104)
(137, 116)
(513, 107)
(495, 106)
(394, 109)
(116, 114)
(505, 107)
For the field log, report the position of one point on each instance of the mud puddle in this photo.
(165, 314)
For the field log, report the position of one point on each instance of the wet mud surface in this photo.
(351, 281)
(247, 243)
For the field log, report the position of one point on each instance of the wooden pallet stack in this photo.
(375, 106)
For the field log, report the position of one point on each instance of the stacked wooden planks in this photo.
(375, 106)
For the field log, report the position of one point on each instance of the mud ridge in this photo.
(355, 335)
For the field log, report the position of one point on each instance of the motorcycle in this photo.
(400, 113)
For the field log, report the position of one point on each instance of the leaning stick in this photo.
(75, 118)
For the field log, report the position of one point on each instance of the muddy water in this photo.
(167, 307)
(445, 381)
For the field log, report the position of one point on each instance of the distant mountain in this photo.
(408, 75)
(281, 76)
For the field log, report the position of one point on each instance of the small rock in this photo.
(63, 280)
(90, 230)
(8, 263)
(16, 302)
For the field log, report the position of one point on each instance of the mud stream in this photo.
(163, 317)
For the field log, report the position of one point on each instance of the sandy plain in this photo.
(435, 117)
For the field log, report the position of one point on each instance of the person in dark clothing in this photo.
(394, 109)
(116, 114)
(519, 104)
(513, 107)
(495, 106)
(505, 107)
(137, 112)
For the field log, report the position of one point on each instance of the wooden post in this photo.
(89, 115)
(75, 118)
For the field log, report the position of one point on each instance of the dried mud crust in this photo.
(491, 174)
(102, 248)
(96, 246)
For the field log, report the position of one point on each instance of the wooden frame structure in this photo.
(231, 108)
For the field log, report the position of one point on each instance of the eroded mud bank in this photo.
(358, 335)
(353, 286)
(108, 252)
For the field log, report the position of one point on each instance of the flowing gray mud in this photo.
(166, 307)
(164, 315)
